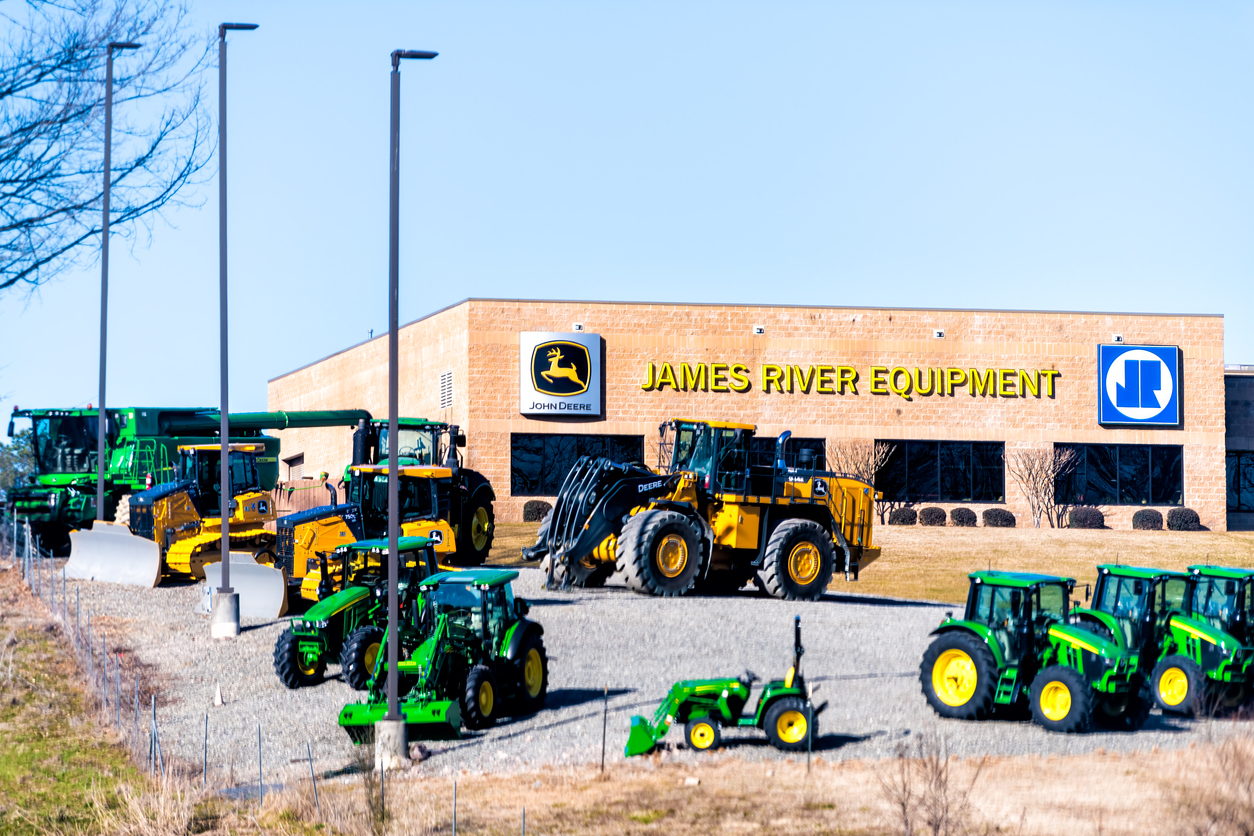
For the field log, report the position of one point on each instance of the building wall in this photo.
(637, 334)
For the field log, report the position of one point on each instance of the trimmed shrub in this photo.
(903, 516)
(1086, 518)
(1147, 519)
(998, 518)
(535, 509)
(932, 516)
(962, 517)
(1183, 519)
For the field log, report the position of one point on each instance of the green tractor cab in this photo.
(1016, 639)
(351, 622)
(706, 706)
(478, 658)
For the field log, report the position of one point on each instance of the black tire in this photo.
(1179, 686)
(1127, 712)
(359, 654)
(1061, 700)
(532, 659)
(799, 561)
(481, 699)
(476, 531)
(703, 735)
(288, 665)
(659, 553)
(790, 726)
(948, 663)
(584, 573)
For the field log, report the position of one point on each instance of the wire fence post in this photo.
(809, 732)
(261, 787)
(91, 657)
(77, 612)
(117, 689)
(605, 719)
(104, 669)
(454, 807)
(524, 825)
(204, 764)
(312, 778)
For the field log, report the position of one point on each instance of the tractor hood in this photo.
(1204, 632)
(329, 606)
(1085, 640)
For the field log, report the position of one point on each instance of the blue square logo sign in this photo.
(1138, 384)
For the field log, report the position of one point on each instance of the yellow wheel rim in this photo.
(803, 563)
(1173, 686)
(702, 736)
(533, 673)
(1055, 701)
(372, 656)
(791, 727)
(954, 678)
(672, 555)
(479, 528)
(486, 699)
(309, 670)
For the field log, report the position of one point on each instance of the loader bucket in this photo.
(262, 589)
(641, 740)
(111, 553)
(425, 720)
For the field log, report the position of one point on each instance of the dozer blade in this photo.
(111, 553)
(641, 740)
(427, 720)
(262, 589)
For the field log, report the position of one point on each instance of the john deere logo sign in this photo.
(559, 374)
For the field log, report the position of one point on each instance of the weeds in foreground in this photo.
(923, 791)
(1220, 799)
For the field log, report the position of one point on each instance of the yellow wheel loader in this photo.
(712, 518)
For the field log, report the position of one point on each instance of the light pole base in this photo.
(224, 619)
(391, 745)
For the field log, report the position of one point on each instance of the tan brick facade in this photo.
(478, 341)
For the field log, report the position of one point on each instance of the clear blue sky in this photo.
(1061, 155)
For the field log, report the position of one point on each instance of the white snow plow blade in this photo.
(262, 589)
(111, 553)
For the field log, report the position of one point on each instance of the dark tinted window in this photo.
(944, 471)
(1122, 474)
(1240, 481)
(806, 453)
(539, 462)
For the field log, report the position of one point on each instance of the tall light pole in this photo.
(224, 621)
(391, 737)
(104, 272)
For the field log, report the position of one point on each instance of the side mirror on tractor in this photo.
(10, 428)
(521, 607)
(461, 439)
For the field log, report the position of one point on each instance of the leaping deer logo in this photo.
(558, 372)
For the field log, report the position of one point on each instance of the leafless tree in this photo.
(1036, 470)
(858, 457)
(924, 791)
(52, 74)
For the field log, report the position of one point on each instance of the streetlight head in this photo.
(123, 45)
(397, 55)
(236, 27)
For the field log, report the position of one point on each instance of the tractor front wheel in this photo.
(359, 655)
(481, 699)
(790, 725)
(703, 734)
(1178, 685)
(475, 533)
(659, 553)
(959, 676)
(1061, 700)
(799, 561)
(294, 668)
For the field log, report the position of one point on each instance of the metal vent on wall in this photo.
(446, 390)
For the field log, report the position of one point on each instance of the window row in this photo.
(539, 462)
(1241, 480)
(942, 471)
(1121, 474)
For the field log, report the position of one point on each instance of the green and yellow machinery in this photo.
(706, 706)
(1016, 641)
(710, 519)
(468, 655)
(1187, 631)
(439, 499)
(349, 624)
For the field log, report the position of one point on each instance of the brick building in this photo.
(956, 395)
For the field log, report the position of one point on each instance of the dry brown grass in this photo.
(509, 541)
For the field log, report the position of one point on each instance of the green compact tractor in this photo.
(351, 622)
(705, 706)
(478, 658)
(1017, 639)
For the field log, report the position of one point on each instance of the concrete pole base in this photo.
(224, 620)
(391, 745)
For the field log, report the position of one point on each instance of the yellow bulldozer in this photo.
(711, 518)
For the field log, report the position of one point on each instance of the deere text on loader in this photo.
(711, 518)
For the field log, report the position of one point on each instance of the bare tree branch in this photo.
(1036, 471)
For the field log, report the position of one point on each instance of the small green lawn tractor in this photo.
(351, 622)
(478, 658)
(705, 706)
(1015, 640)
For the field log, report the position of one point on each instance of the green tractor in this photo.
(706, 706)
(351, 622)
(1016, 640)
(468, 656)
(1188, 631)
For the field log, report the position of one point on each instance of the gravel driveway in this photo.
(864, 652)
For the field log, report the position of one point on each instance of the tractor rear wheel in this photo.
(1061, 700)
(533, 675)
(481, 701)
(1124, 712)
(790, 726)
(360, 652)
(293, 669)
(476, 531)
(703, 734)
(1179, 686)
(799, 561)
(959, 676)
(659, 553)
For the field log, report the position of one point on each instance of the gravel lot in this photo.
(864, 652)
